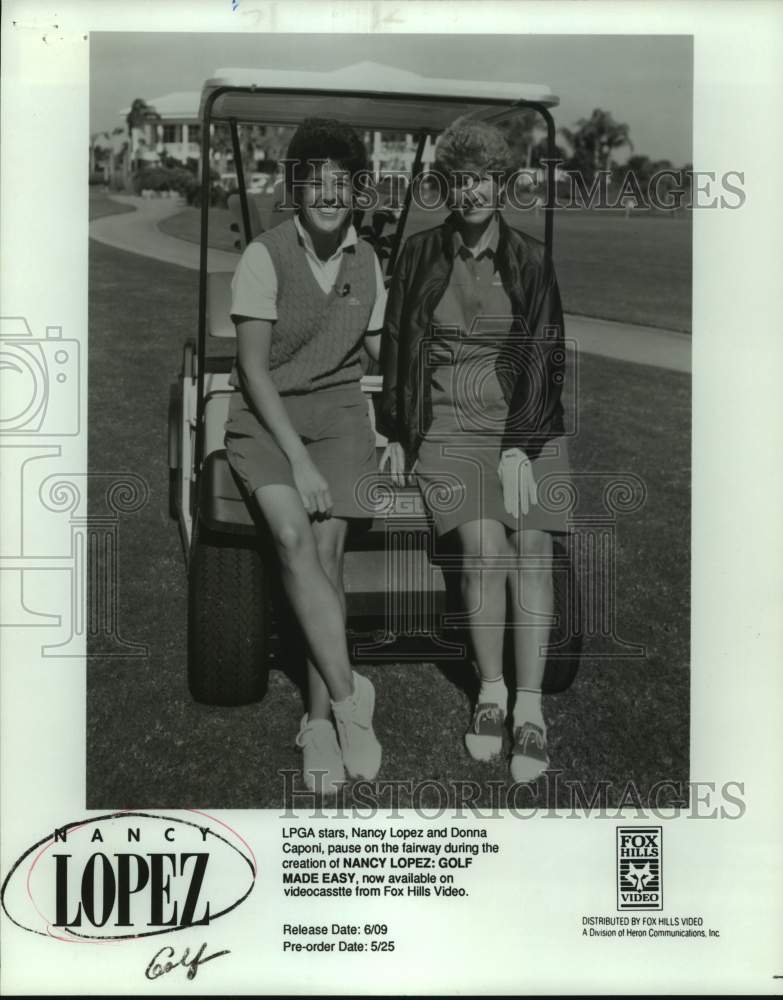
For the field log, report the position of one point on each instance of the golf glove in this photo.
(516, 478)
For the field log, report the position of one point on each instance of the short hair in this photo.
(322, 139)
(472, 146)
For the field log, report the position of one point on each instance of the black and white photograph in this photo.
(390, 550)
(440, 529)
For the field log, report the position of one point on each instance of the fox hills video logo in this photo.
(639, 868)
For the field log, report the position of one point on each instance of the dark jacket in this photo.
(535, 357)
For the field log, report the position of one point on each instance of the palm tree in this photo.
(96, 149)
(594, 139)
(138, 118)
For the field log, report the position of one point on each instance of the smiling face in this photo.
(475, 197)
(325, 199)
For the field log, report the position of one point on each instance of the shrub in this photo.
(178, 179)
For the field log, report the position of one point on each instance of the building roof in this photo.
(180, 104)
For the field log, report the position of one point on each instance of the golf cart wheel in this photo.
(565, 641)
(228, 620)
(175, 451)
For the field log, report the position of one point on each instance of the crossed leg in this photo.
(313, 596)
(330, 545)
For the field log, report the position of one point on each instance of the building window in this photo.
(172, 133)
(194, 133)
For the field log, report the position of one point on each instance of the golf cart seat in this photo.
(237, 226)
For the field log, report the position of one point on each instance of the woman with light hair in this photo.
(473, 364)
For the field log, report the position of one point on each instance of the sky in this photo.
(645, 81)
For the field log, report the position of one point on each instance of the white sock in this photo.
(494, 692)
(528, 708)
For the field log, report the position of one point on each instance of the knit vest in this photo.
(317, 337)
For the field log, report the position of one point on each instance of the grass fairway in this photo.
(149, 744)
(101, 205)
(636, 270)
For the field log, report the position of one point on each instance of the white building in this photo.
(178, 134)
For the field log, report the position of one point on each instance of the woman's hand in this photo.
(313, 488)
(518, 482)
(394, 455)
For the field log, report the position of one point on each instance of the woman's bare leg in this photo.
(485, 553)
(532, 601)
(330, 544)
(313, 597)
(531, 604)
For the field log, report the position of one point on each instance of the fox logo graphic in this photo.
(638, 876)
(639, 868)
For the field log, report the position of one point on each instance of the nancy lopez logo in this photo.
(129, 875)
(639, 868)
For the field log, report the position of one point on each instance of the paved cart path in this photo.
(138, 232)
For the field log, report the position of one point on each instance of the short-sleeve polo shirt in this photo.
(254, 285)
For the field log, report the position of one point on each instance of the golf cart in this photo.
(401, 587)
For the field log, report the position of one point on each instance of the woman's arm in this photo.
(372, 344)
(253, 339)
(372, 339)
(535, 412)
(387, 415)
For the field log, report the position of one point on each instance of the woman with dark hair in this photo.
(307, 299)
(473, 366)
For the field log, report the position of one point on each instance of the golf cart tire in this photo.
(565, 641)
(175, 450)
(228, 620)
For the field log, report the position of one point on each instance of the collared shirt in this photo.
(475, 301)
(470, 326)
(254, 285)
(324, 271)
(488, 242)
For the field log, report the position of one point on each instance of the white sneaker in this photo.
(353, 716)
(322, 762)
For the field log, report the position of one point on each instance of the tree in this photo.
(520, 132)
(220, 146)
(274, 141)
(140, 116)
(98, 149)
(594, 140)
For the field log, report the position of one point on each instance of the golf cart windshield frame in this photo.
(505, 110)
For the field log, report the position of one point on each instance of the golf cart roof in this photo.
(366, 95)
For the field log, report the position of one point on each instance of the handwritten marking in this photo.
(159, 965)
